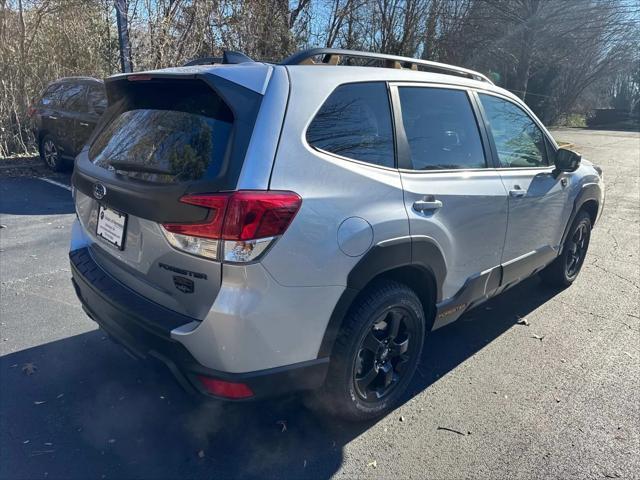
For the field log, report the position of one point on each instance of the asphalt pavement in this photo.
(559, 398)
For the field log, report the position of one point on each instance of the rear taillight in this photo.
(246, 222)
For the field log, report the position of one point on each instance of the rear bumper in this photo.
(144, 328)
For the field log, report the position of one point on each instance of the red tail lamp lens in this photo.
(253, 215)
(242, 215)
(217, 205)
(225, 389)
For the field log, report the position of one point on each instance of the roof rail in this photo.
(331, 56)
(228, 57)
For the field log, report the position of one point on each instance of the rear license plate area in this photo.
(112, 226)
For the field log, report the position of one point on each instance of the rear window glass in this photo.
(355, 122)
(50, 95)
(166, 136)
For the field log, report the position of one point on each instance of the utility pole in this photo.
(123, 35)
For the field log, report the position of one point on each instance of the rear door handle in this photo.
(425, 205)
(84, 124)
(517, 191)
(52, 117)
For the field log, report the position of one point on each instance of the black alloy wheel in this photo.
(376, 353)
(51, 155)
(577, 249)
(563, 271)
(384, 354)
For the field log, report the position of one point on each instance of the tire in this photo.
(361, 384)
(563, 271)
(50, 154)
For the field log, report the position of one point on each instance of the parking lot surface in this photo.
(559, 398)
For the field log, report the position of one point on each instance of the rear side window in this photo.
(50, 95)
(166, 132)
(355, 122)
(96, 99)
(441, 129)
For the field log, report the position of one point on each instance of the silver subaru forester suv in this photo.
(267, 228)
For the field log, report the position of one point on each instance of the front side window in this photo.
(355, 122)
(441, 129)
(72, 98)
(519, 141)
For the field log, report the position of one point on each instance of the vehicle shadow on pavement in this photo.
(32, 196)
(451, 345)
(91, 411)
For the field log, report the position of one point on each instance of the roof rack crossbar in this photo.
(406, 62)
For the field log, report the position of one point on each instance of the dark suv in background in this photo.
(64, 117)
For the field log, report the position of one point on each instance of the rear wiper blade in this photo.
(136, 167)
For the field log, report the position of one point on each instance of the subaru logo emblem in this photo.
(99, 191)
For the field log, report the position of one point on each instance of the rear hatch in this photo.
(165, 135)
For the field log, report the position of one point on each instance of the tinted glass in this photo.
(162, 145)
(72, 97)
(441, 129)
(50, 95)
(355, 122)
(96, 99)
(519, 141)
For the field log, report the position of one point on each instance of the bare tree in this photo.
(555, 54)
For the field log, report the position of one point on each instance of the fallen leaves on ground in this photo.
(537, 337)
(41, 452)
(373, 464)
(523, 321)
(29, 368)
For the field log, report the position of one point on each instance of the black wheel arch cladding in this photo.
(589, 194)
(420, 253)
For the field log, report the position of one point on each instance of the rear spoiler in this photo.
(229, 57)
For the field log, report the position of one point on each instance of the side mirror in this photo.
(566, 161)
(99, 109)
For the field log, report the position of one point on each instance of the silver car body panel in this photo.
(256, 169)
(333, 189)
(470, 226)
(140, 265)
(536, 219)
(254, 75)
(256, 323)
